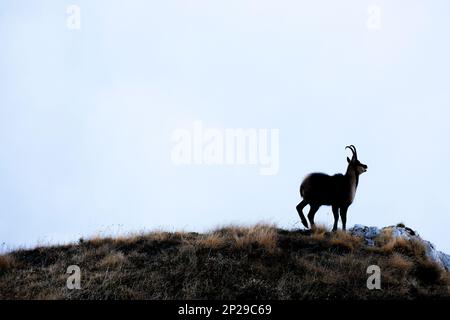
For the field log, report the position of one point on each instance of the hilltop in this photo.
(258, 262)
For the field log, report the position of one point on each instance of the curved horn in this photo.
(353, 149)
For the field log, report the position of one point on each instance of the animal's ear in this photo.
(348, 159)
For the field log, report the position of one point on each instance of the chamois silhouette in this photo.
(337, 191)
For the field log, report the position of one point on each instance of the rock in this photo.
(371, 233)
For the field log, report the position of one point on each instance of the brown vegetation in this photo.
(259, 262)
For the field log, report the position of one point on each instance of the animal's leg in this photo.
(299, 208)
(343, 212)
(312, 212)
(336, 217)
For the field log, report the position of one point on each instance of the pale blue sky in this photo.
(86, 116)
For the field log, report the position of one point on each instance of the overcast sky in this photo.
(88, 115)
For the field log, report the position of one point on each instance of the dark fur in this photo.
(337, 191)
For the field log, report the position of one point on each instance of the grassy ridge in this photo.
(259, 262)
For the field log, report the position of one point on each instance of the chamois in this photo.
(337, 191)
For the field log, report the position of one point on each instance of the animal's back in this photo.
(322, 188)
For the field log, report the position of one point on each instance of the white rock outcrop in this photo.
(371, 233)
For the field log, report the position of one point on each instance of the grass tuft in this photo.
(7, 263)
(113, 260)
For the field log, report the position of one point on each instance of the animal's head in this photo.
(354, 163)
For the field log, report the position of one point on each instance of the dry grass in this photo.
(242, 238)
(388, 244)
(400, 262)
(345, 241)
(160, 236)
(429, 272)
(445, 276)
(211, 241)
(7, 262)
(113, 260)
(319, 232)
(96, 241)
(396, 244)
(262, 235)
(233, 262)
